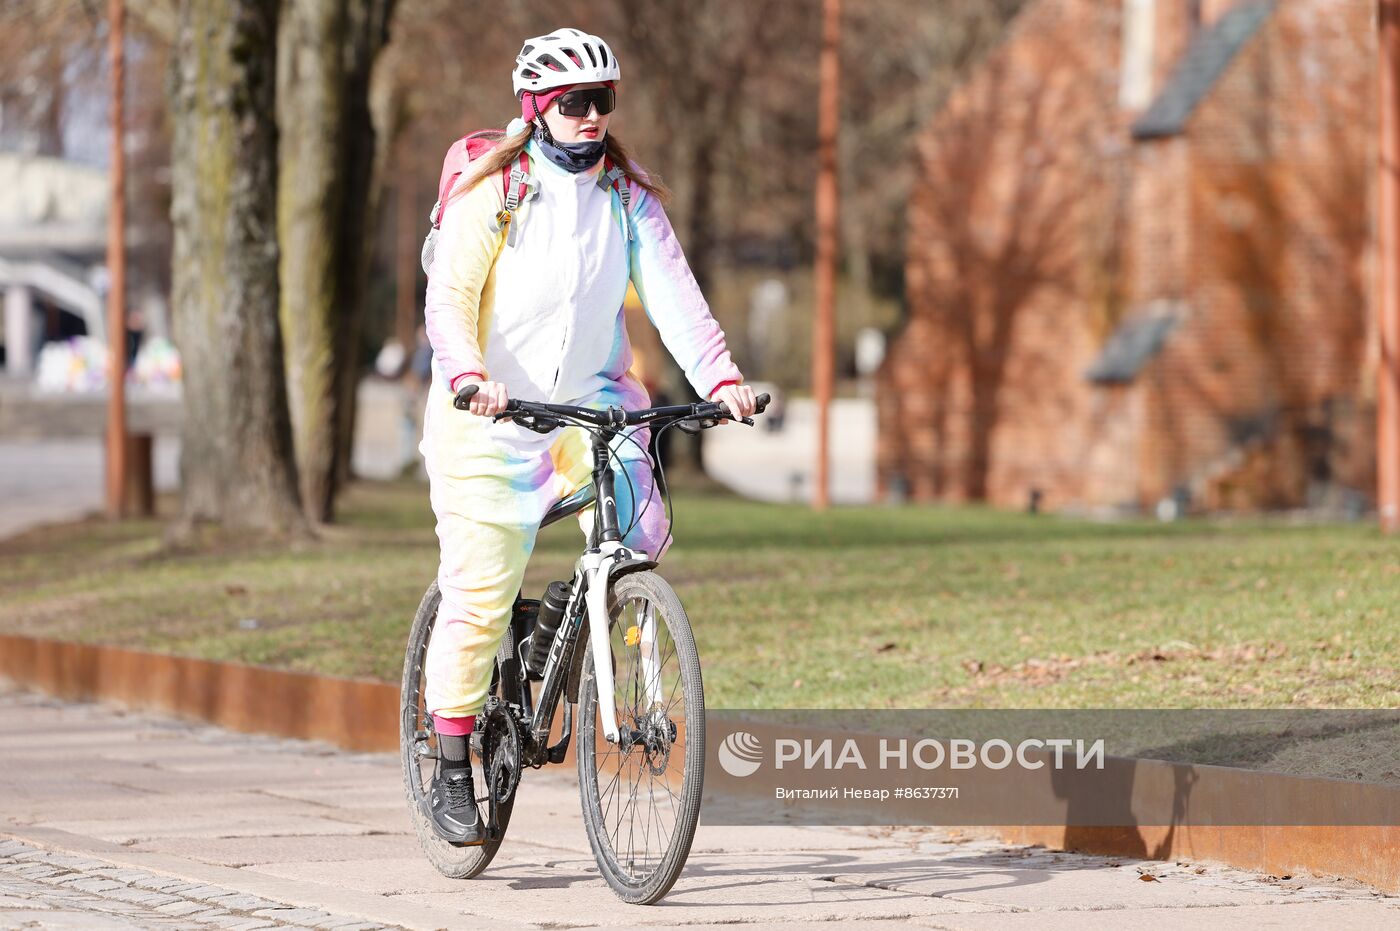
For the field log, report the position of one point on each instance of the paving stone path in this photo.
(44, 889)
(117, 820)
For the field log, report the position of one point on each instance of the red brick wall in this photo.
(1277, 231)
(1009, 235)
(1039, 224)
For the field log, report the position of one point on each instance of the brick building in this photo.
(1138, 264)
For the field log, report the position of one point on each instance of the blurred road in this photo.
(46, 481)
(49, 474)
(112, 820)
(778, 466)
(53, 471)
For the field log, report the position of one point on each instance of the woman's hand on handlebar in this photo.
(738, 398)
(488, 400)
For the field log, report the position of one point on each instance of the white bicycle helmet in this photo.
(565, 56)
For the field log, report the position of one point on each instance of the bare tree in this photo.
(325, 198)
(236, 465)
(39, 41)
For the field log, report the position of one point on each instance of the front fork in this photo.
(598, 568)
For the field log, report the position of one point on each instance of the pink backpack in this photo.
(475, 145)
(470, 147)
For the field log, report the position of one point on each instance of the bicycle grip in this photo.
(759, 403)
(464, 395)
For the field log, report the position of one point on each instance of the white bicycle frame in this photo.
(598, 567)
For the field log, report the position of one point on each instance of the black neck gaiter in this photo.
(570, 156)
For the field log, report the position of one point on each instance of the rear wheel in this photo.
(418, 750)
(641, 795)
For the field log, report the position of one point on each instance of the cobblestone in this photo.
(80, 893)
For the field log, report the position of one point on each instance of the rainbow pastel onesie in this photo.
(544, 317)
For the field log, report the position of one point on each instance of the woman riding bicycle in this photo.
(527, 302)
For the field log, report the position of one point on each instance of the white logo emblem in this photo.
(740, 754)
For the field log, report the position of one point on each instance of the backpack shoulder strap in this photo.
(513, 197)
(612, 176)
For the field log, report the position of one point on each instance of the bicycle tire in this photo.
(448, 859)
(649, 888)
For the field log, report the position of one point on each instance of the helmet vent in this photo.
(593, 59)
(552, 63)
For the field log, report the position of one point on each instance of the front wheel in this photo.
(641, 796)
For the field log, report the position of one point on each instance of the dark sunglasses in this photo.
(578, 103)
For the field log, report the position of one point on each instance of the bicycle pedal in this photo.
(475, 843)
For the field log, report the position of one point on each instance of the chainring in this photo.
(500, 751)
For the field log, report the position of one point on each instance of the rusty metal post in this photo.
(1388, 265)
(824, 326)
(116, 274)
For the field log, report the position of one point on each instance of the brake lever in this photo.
(533, 422)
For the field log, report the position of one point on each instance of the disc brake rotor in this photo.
(660, 734)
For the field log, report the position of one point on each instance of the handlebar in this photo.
(544, 418)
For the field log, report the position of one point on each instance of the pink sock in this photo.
(454, 727)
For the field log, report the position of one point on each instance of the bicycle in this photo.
(630, 731)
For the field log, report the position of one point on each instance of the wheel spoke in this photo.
(612, 784)
(638, 809)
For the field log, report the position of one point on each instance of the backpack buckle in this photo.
(502, 218)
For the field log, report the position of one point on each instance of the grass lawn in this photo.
(856, 608)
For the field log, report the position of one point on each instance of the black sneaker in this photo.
(453, 805)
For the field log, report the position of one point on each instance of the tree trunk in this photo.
(310, 210)
(361, 152)
(323, 217)
(236, 464)
(987, 374)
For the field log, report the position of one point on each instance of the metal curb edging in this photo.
(357, 714)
